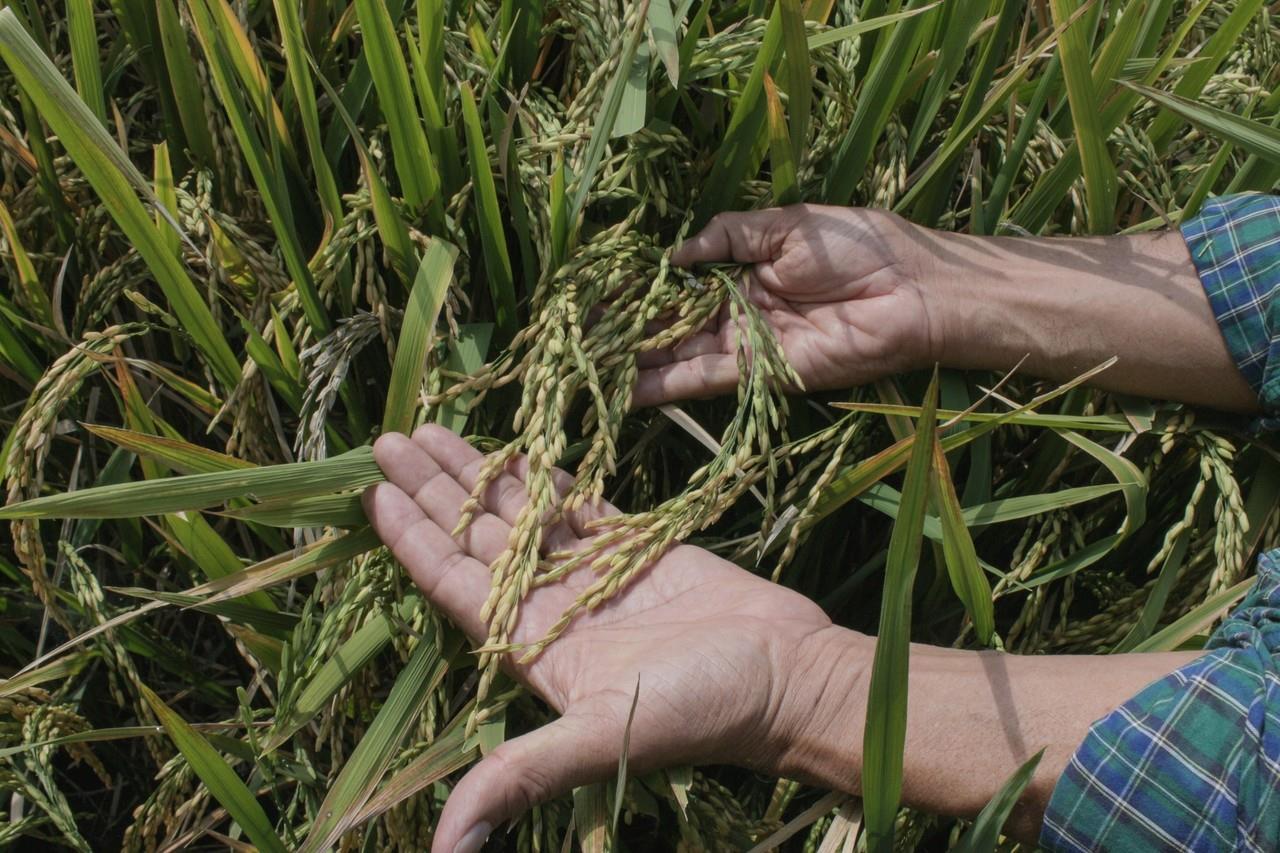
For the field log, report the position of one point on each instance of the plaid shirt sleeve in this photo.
(1235, 244)
(1193, 761)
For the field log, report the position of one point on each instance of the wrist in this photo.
(983, 301)
(825, 710)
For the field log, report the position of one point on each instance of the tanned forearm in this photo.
(973, 719)
(1072, 303)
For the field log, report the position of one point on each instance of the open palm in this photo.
(839, 287)
(717, 652)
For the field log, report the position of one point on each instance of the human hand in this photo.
(841, 288)
(729, 665)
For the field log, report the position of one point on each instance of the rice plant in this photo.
(242, 239)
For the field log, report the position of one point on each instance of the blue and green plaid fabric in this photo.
(1235, 244)
(1193, 761)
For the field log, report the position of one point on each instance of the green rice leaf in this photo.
(179, 455)
(244, 59)
(1131, 479)
(559, 214)
(440, 134)
(942, 159)
(46, 169)
(352, 470)
(431, 16)
(1011, 164)
(429, 289)
(786, 187)
(450, 752)
(1196, 620)
(662, 29)
(885, 498)
(166, 195)
(268, 361)
(1038, 205)
(223, 52)
(1256, 173)
(958, 23)
(635, 94)
(856, 479)
(1134, 489)
(1224, 39)
(61, 669)
(366, 766)
(358, 82)
(1090, 136)
(287, 566)
(736, 154)
(497, 262)
(274, 623)
(591, 817)
(337, 510)
(98, 736)
(984, 835)
(1208, 179)
(85, 62)
(1118, 48)
(885, 734)
(1255, 137)
(15, 352)
(298, 67)
(392, 228)
(880, 89)
(28, 282)
(1087, 423)
(117, 182)
(967, 577)
(239, 49)
(467, 352)
(666, 105)
(521, 20)
(858, 28)
(347, 661)
(797, 79)
(419, 178)
(603, 128)
(1154, 605)
(188, 97)
(223, 783)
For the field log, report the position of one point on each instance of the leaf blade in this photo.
(884, 735)
(223, 783)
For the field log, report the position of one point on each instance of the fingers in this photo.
(521, 773)
(453, 581)
(505, 496)
(439, 496)
(702, 376)
(746, 237)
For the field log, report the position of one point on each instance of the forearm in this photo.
(973, 718)
(1070, 304)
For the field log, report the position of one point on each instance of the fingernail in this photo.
(474, 839)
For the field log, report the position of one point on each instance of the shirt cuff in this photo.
(1193, 761)
(1234, 243)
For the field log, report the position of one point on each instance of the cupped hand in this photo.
(842, 289)
(722, 656)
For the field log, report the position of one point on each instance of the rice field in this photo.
(240, 239)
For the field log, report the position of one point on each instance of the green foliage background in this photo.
(242, 234)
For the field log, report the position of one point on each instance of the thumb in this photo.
(746, 237)
(521, 773)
